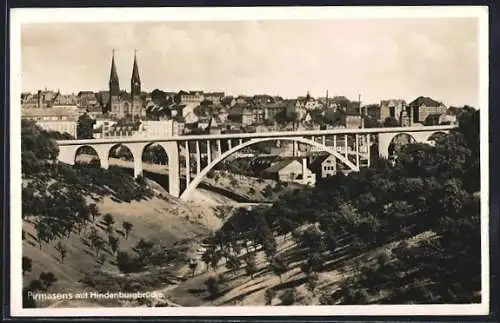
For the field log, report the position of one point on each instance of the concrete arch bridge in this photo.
(351, 147)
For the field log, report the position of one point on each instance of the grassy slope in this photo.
(163, 220)
(240, 289)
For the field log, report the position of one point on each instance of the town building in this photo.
(161, 128)
(242, 114)
(271, 110)
(29, 100)
(392, 108)
(323, 165)
(352, 120)
(191, 97)
(214, 97)
(290, 170)
(422, 106)
(60, 119)
(261, 99)
(87, 99)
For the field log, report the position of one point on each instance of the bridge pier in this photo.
(174, 176)
(103, 154)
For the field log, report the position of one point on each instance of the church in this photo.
(120, 103)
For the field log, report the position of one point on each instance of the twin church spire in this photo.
(135, 80)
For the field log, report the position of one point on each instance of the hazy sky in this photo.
(378, 59)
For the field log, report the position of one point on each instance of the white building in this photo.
(162, 128)
(60, 119)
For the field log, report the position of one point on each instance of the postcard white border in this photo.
(31, 15)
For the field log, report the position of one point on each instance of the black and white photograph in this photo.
(249, 161)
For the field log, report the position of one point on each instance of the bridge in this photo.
(351, 147)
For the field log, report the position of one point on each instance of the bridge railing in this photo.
(277, 134)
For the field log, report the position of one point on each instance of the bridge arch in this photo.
(121, 151)
(200, 176)
(87, 150)
(155, 153)
(399, 139)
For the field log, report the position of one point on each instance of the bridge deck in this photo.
(278, 134)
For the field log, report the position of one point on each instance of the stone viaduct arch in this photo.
(200, 176)
(385, 139)
(79, 149)
(67, 154)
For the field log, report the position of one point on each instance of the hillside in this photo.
(386, 235)
(238, 288)
(389, 234)
(78, 221)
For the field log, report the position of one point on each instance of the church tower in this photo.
(135, 89)
(114, 88)
(114, 85)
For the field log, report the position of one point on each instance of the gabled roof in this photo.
(423, 100)
(318, 161)
(86, 93)
(279, 165)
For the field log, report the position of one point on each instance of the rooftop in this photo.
(423, 100)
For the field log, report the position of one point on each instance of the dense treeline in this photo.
(432, 192)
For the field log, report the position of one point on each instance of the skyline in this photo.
(435, 57)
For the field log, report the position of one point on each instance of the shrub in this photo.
(127, 263)
(27, 265)
(213, 287)
(289, 297)
(269, 295)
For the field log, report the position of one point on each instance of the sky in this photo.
(375, 58)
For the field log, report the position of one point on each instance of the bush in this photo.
(127, 263)
(289, 297)
(269, 296)
(213, 287)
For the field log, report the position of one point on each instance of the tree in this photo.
(269, 296)
(114, 243)
(62, 250)
(192, 266)
(97, 244)
(278, 266)
(211, 257)
(85, 127)
(251, 265)
(27, 264)
(47, 279)
(144, 249)
(42, 233)
(108, 219)
(311, 238)
(127, 226)
(94, 211)
(233, 262)
(312, 282)
(127, 263)
(213, 287)
(288, 297)
(391, 122)
(313, 263)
